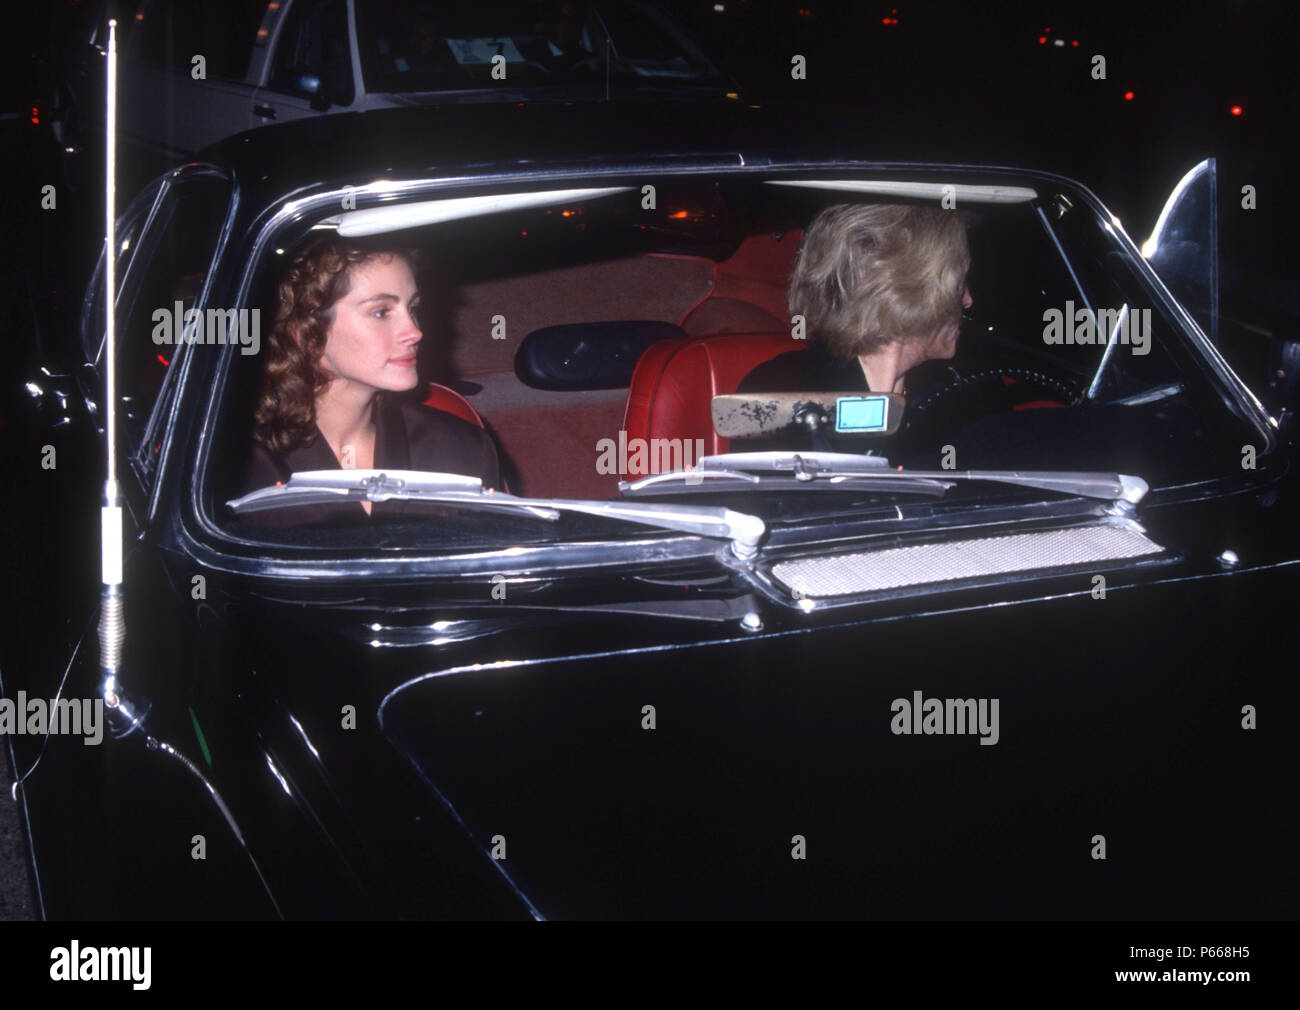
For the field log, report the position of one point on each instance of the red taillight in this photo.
(1042, 40)
(1236, 110)
(1128, 96)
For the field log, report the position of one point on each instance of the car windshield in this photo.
(421, 46)
(590, 336)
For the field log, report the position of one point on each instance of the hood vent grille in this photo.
(952, 561)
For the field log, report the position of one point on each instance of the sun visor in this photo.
(961, 192)
(400, 216)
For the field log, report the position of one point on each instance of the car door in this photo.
(171, 102)
(310, 69)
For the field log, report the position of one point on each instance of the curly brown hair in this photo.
(292, 376)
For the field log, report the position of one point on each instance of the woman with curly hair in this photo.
(342, 349)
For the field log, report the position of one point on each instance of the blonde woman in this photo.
(881, 288)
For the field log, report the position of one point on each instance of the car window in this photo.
(1108, 281)
(1023, 284)
(312, 54)
(171, 34)
(169, 264)
(649, 46)
(418, 45)
(128, 228)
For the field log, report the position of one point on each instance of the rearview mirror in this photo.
(588, 355)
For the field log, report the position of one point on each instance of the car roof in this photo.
(448, 140)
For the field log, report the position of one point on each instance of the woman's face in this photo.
(371, 342)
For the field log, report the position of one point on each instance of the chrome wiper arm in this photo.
(326, 486)
(690, 477)
(1125, 490)
(678, 482)
(740, 467)
(806, 465)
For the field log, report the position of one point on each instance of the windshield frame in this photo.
(285, 221)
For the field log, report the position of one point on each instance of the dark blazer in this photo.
(811, 370)
(916, 444)
(408, 436)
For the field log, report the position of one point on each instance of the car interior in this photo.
(557, 326)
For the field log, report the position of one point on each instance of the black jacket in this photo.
(408, 436)
(811, 370)
(916, 443)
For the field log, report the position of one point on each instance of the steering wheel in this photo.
(968, 396)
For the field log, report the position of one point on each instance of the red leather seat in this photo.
(675, 381)
(445, 398)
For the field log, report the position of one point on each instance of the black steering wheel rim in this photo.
(1032, 380)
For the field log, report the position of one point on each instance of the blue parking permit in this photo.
(861, 413)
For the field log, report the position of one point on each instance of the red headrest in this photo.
(675, 382)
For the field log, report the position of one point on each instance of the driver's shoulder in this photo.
(810, 369)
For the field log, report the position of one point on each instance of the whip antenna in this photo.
(112, 624)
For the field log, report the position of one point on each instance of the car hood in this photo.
(636, 769)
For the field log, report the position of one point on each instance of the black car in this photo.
(1040, 670)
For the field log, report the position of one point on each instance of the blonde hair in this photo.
(871, 274)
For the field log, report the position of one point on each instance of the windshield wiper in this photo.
(737, 471)
(815, 471)
(318, 487)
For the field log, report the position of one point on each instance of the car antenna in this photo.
(112, 618)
